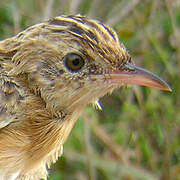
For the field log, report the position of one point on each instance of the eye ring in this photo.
(73, 62)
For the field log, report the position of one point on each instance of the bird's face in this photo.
(81, 60)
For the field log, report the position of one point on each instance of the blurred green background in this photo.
(137, 135)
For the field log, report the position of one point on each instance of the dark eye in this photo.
(73, 62)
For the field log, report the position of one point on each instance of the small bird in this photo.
(48, 74)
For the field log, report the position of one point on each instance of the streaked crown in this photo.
(100, 37)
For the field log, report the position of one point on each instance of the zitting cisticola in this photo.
(48, 74)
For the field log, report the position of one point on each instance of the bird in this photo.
(48, 74)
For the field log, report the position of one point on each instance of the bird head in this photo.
(71, 61)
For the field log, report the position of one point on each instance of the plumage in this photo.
(48, 74)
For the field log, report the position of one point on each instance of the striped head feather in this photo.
(40, 50)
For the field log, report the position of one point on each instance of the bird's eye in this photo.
(73, 62)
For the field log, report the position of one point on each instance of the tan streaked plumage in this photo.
(41, 95)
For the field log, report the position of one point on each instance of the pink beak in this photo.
(131, 74)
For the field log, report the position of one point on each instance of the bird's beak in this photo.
(131, 74)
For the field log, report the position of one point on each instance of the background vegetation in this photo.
(137, 135)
